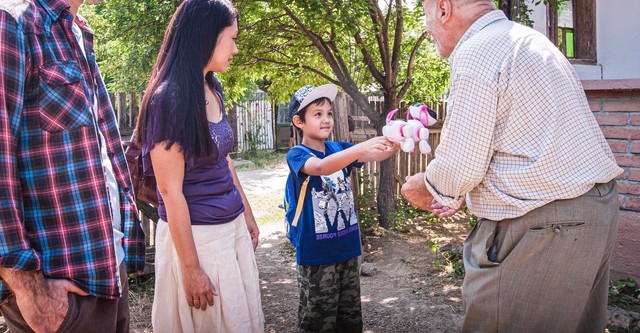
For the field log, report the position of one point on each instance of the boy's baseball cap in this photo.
(307, 94)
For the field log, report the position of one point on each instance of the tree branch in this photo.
(368, 59)
(382, 37)
(397, 43)
(295, 66)
(387, 17)
(324, 50)
(414, 51)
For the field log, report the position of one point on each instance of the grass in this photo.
(140, 302)
(266, 207)
(259, 159)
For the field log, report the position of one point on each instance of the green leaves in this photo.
(128, 35)
(288, 43)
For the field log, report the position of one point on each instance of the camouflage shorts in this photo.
(330, 298)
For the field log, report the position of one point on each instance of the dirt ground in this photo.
(404, 294)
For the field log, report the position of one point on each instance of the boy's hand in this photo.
(376, 145)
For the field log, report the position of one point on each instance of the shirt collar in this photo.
(83, 24)
(54, 8)
(479, 24)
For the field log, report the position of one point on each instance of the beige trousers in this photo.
(226, 255)
(547, 271)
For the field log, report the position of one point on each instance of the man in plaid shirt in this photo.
(68, 223)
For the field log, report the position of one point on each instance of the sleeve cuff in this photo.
(22, 260)
(442, 199)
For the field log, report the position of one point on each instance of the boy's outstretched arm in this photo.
(374, 149)
(378, 155)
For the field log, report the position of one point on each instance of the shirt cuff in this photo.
(442, 199)
(22, 260)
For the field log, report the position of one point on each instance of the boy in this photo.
(323, 225)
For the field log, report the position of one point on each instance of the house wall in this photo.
(612, 86)
(616, 106)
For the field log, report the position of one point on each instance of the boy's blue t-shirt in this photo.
(328, 226)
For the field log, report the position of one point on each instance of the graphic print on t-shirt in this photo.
(333, 209)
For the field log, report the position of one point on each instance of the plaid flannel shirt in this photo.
(54, 207)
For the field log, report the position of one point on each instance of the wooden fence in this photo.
(253, 122)
(406, 163)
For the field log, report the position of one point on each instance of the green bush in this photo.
(367, 212)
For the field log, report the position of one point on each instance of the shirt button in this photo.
(126, 190)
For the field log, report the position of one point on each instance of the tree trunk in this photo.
(387, 184)
(386, 191)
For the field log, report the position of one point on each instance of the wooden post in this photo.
(584, 23)
(341, 116)
(552, 23)
(133, 109)
(112, 99)
(122, 105)
(232, 116)
(274, 123)
(145, 222)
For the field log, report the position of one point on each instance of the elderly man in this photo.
(68, 220)
(521, 145)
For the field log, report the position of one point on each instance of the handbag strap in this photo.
(303, 192)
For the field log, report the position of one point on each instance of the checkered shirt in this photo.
(54, 207)
(518, 132)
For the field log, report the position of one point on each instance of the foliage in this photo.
(366, 46)
(521, 10)
(406, 217)
(625, 292)
(473, 220)
(448, 260)
(254, 138)
(367, 215)
(128, 38)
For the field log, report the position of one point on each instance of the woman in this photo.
(206, 275)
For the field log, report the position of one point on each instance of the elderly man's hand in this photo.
(444, 211)
(415, 191)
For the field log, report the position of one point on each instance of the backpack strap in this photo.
(303, 191)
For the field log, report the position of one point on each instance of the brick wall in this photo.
(616, 106)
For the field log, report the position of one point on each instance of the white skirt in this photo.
(226, 255)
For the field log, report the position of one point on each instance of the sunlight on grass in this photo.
(265, 207)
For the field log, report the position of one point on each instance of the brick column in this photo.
(616, 106)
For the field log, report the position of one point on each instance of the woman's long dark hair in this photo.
(176, 86)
